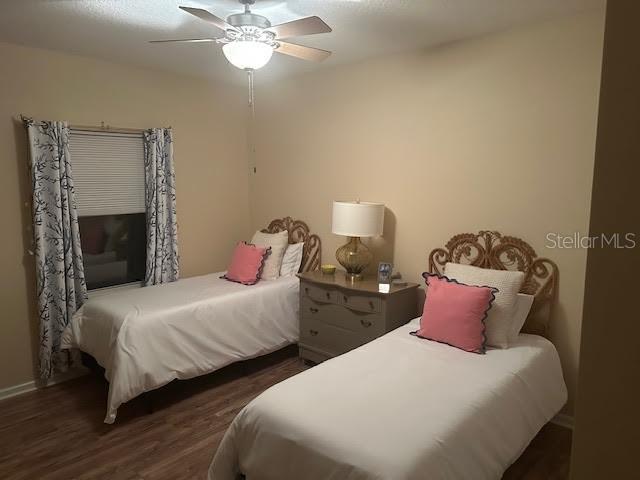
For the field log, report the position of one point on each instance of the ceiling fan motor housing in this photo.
(248, 19)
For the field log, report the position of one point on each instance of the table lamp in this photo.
(355, 220)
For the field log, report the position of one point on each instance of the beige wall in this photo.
(491, 133)
(210, 152)
(607, 438)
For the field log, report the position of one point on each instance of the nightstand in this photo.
(337, 315)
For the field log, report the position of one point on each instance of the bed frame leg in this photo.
(149, 403)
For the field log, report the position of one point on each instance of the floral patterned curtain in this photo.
(61, 287)
(160, 191)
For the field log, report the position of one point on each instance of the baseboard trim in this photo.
(17, 390)
(36, 384)
(563, 420)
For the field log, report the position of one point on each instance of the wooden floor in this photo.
(57, 433)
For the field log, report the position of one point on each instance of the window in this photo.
(108, 173)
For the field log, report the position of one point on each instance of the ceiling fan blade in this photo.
(298, 28)
(208, 17)
(300, 51)
(185, 40)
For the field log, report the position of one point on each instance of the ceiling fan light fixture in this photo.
(248, 54)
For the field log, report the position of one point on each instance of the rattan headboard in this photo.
(489, 249)
(299, 232)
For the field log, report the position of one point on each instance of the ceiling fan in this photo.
(249, 39)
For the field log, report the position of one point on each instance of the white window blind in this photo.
(108, 172)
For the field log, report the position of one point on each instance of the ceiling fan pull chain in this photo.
(251, 125)
(251, 94)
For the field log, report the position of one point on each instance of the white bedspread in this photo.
(398, 408)
(147, 337)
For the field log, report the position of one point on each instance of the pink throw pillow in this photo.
(247, 263)
(454, 313)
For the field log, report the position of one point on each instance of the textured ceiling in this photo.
(118, 30)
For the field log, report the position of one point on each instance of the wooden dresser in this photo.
(337, 315)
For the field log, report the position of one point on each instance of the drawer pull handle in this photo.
(328, 296)
(306, 290)
(371, 304)
(313, 332)
(313, 309)
(346, 299)
(365, 323)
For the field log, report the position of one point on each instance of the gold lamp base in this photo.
(354, 256)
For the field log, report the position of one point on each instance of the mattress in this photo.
(147, 337)
(398, 408)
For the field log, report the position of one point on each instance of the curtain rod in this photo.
(109, 128)
(106, 128)
(95, 128)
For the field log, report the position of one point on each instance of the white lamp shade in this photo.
(357, 219)
(248, 54)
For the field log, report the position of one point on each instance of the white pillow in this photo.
(292, 260)
(278, 243)
(523, 306)
(501, 314)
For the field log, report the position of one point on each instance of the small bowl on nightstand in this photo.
(328, 269)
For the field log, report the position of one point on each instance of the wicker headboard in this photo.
(489, 249)
(299, 232)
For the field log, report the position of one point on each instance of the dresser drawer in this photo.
(326, 338)
(365, 324)
(320, 294)
(363, 303)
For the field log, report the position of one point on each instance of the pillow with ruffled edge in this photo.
(454, 313)
(247, 263)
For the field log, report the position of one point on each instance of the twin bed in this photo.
(403, 408)
(398, 408)
(146, 337)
